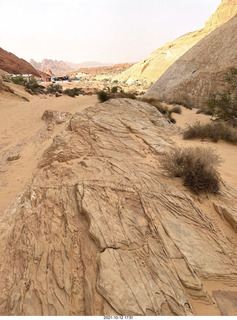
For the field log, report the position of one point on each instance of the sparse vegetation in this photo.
(105, 96)
(196, 166)
(184, 104)
(223, 105)
(33, 87)
(18, 80)
(114, 89)
(214, 131)
(176, 109)
(160, 107)
(5, 78)
(54, 88)
(72, 92)
(204, 111)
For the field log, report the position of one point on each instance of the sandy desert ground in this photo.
(226, 151)
(24, 136)
(24, 133)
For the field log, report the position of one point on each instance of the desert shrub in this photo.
(130, 96)
(176, 109)
(181, 103)
(162, 109)
(5, 78)
(18, 80)
(103, 96)
(204, 111)
(72, 92)
(114, 90)
(214, 131)
(196, 166)
(53, 88)
(223, 105)
(33, 87)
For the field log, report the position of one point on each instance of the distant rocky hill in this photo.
(57, 67)
(88, 64)
(89, 67)
(151, 68)
(200, 72)
(45, 73)
(12, 64)
(114, 69)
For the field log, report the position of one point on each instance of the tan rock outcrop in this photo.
(101, 231)
(194, 77)
(151, 68)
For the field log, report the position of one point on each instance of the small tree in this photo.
(224, 105)
(103, 96)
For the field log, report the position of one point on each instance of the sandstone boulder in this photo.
(101, 230)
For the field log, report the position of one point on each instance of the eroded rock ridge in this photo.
(101, 231)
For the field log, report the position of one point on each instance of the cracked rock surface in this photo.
(101, 230)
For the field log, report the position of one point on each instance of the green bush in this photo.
(223, 105)
(72, 92)
(214, 131)
(5, 78)
(18, 80)
(114, 90)
(196, 166)
(33, 87)
(53, 88)
(103, 96)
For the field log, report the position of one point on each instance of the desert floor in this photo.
(226, 151)
(24, 134)
(22, 131)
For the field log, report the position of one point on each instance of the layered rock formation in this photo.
(151, 68)
(102, 231)
(194, 77)
(12, 64)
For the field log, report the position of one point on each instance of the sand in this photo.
(226, 151)
(22, 131)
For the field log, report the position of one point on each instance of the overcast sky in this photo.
(98, 30)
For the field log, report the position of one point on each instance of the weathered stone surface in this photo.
(199, 73)
(151, 68)
(52, 116)
(100, 230)
(227, 302)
